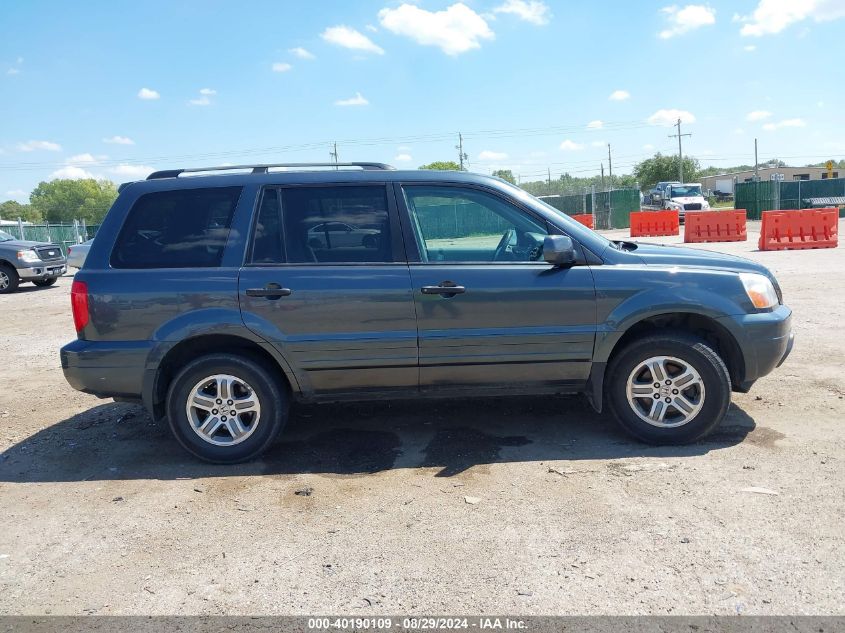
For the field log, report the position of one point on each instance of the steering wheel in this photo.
(505, 245)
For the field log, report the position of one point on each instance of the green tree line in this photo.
(63, 200)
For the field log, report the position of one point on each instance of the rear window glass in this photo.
(346, 224)
(187, 228)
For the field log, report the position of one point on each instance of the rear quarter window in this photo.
(185, 228)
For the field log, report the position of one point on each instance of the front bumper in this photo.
(765, 340)
(37, 272)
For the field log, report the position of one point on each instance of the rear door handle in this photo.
(270, 291)
(445, 289)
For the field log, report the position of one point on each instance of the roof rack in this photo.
(262, 169)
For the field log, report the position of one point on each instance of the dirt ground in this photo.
(104, 513)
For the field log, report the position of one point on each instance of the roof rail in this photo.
(262, 169)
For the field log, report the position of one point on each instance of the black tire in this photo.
(46, 283)
(691, 350)
(9, 280)
(271, 395)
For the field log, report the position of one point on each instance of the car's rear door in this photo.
(490, 312)
(340, 312)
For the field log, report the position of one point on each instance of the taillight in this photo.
(79, 304)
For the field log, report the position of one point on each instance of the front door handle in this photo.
(445, 289)
(270, 291)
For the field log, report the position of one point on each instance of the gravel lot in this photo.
(103, 513)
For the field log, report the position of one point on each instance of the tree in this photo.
(505, 174)
(68, 200)
(11, 210)
(653, 170)
(449, 165)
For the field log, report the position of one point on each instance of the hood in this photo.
(23, 244)
(687, 199)
(659, 255)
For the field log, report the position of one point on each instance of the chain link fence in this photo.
(62, 234)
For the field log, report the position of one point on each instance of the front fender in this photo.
(627, 295)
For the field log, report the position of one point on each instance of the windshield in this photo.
(685, 191)
(5, 237)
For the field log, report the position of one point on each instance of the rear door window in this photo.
(339, 224)
(185, 228)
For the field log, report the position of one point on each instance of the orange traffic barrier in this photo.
(715, 226)
(807, 228)
(654, 223)
(584, 218)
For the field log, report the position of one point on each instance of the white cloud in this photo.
(83, 159)
(17, 193)
(455, 30)
(489, 154)
(570, 146)
(13, 71)
(208, 92)
(598, 143)
(758, 115)
(682, 20)
(204, 98)
(750, 48)
(402, 158)
(669, 117)
(350, 38)
(595, 125)
(357, 100)
(72, 172)
(119, 140)
(136, 172)
(773, 16)
(739, 131)
(619, 95)
(532, 11)
(785, 123)
(31, 146)
(648, 147)
(371, 28)
(148, 95)
(301, 53)
(281, 67)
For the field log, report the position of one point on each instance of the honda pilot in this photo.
(217, 297)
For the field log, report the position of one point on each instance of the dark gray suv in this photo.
(217, 299)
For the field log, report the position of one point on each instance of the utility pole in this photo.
(602, 177)
(461, 154)
(756, 164)
(610, 165)
(549, 178)
(680, 151)
(333, 155)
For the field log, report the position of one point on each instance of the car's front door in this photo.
(340, 312)
(490, 312)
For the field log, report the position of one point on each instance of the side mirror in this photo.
(558, 250)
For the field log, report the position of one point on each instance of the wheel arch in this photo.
(695, 323)
(159, 378)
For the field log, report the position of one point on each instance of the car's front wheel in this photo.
(9, 279)
(225, 408)
(668, 389)
(45, 283)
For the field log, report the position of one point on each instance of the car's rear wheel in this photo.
(225, 408)
(668, 389)
(9, 280)
(44, 283)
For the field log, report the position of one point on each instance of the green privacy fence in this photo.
(442, 221)
(63, 234)
(613, 208)
(768, 195)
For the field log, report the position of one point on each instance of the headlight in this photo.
(760, 290)
(30, 257)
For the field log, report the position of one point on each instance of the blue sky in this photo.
(116, 88)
